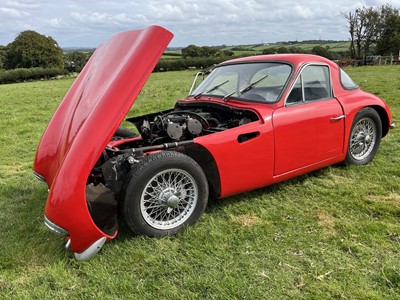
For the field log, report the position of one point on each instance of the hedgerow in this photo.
(187, 63)
(21, 75)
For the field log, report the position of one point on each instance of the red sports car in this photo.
(267, 118)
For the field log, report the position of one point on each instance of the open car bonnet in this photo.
(85, 121)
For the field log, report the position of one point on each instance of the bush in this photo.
(20, 75)
(187, 63)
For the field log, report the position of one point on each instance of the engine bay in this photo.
(189, 120)
(161, 131)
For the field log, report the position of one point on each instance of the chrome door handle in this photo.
(338, 118)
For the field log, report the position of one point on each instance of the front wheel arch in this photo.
(165, 192)
(207, 162)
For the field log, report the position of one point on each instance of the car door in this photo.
(309, 128)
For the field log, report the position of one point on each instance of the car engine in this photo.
(189, 120)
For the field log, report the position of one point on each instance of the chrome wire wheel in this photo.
(169, 199)
(363, 138)
(164, 192)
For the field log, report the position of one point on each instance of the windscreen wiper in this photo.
(212, 89)
(245, 89)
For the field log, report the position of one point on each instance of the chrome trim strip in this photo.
(68, 244)
(55, 228)
(39, 177)
(194, 81)
(393, 125)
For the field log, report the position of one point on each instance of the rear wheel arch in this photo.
(384, 119)
(364, 137)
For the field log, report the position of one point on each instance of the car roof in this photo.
(295, 59)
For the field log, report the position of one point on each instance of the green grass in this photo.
(331, 234)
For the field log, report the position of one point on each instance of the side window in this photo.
(313, 84)
(346, 81)
(316, 83)
(296, 95)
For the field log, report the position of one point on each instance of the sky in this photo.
(87, 23)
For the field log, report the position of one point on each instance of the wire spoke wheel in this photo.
(363, 138)
(168, 199)
(165, 192)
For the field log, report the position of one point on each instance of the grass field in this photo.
(331, 234)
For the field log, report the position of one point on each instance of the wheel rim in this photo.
(169, 199)
(363, 138)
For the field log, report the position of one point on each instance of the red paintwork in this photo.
(85, 121)
(293, 140)
(290, 140)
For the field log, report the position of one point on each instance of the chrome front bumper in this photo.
(86, 254)
(55, 228)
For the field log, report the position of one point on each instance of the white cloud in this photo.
(56, 22)
(94, 17)
(206, 22)
(302, 12)
(123, 18)
(27, 4)
(12, 13)
(165, 12)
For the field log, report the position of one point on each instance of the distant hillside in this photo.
(239, 50)
(78, 49)
(335, 46)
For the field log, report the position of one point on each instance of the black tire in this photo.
(365, 137)
(123, 133)
(165, 192)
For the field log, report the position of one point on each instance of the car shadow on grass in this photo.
(217, 206)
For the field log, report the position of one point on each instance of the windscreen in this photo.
(258, 82)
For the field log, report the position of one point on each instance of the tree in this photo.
(205, 51)
(191, 51)
(31, 49)
(363, 29)
(269, 51)
(351, 18)
(374, 27)
(282, 50)
(3, 56)
(228, 53)
(321, 51)
(75, 61)
(371, 21)
(389, 38)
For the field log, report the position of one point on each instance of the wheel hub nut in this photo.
(173, 201)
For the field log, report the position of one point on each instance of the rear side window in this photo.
(346, 81)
